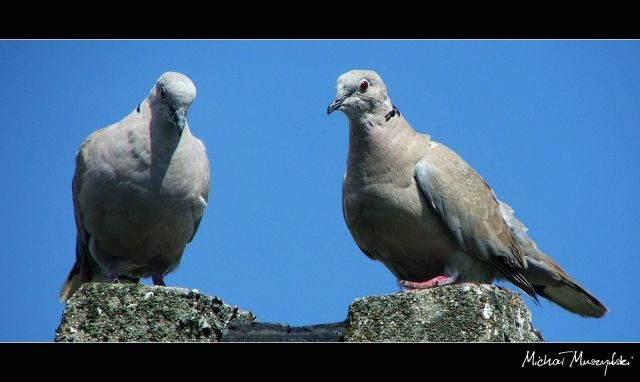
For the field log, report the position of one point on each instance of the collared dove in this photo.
(140, 189)
(420, 209)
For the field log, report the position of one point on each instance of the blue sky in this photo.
(553, 126)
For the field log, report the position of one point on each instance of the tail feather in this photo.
(548, 278)
(71, 284)
(573, 298)
(553, 283)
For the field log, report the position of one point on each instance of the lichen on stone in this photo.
(137, 313)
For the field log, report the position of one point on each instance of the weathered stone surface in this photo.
(458, 313)
(130, 312)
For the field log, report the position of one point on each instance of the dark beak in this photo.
(180, 118)
(335, 105)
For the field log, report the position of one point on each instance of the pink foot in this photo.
(434, 282)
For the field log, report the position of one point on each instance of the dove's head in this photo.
(360, 92)
(174, 92)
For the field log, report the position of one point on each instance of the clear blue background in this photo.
(553, 126)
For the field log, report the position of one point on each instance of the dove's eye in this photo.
(364, 85)
(162, 93)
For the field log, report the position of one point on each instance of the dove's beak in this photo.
(180, 118)
(336, 104)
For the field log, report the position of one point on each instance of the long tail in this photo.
(574, 298)
(552, 282)
(547, 277)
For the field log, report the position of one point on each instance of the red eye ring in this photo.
(364, 85)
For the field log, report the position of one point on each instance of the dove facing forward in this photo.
(140, 190)
(420, 209)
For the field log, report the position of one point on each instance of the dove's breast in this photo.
(140, 204)
(391, 222)
(389, 217)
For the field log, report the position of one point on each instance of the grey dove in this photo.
(420, 209)
(140, 190)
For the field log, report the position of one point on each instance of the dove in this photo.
(140, 190)
(416, 206)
